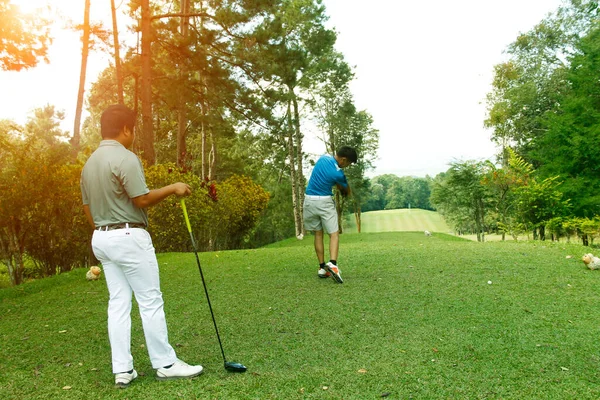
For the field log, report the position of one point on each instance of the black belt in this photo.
(122, 225)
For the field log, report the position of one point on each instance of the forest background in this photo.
(224, 91)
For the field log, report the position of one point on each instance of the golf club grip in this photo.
(185, 215)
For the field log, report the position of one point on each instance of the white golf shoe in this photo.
(123, 379)
(334, 271)
(323, 273)
(179, 370)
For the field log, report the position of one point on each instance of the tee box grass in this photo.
(417, 317)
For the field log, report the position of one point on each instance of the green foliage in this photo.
(240, 205)
(166, 222)
(24, 39)
(591, 228)
(276, 222)
(539, 202)
(513, 228)
(462, 197)
(61, 236)
(221, 214)
(544, 104)
(569, 147)
(40, 201)
(388, 192)
(409, 192)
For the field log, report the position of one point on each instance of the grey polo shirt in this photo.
(110, 178)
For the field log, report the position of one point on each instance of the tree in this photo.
(528, 87)
(85, 48)
(116, 47)
(342, 124)
(539, 202)
(38, 193)
(569, 147)
(462, 198)
(376, 198)
(291, 52)
(24, 39)
(146, 137)
(503, 183)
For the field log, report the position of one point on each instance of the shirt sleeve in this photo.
(340, 178)
(84, 195)
(132, 176)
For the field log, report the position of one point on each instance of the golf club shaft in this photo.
(189, 227)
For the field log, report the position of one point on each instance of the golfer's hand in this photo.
(345, 191)
(182, 189)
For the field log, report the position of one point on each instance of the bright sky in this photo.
(423, 69)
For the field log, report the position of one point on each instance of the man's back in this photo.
(111, 177)
(325, 174)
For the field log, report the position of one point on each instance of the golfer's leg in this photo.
(319, 246)
(330, 224)
(144, 279)
(119, 317)
(119, 303)
(334, 245)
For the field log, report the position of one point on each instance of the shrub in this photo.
(240, 204)
(221, 214)
(40, 210)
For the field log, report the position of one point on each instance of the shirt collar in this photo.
(110, 142)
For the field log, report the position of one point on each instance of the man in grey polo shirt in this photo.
(115, 198)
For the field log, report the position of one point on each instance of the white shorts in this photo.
(320, 214)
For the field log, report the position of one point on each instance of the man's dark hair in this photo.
(114, 118)
(348, 152)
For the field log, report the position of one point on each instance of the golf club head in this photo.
(234, 367)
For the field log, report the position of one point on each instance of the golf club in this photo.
(229, 366)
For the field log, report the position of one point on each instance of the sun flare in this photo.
(31, 6)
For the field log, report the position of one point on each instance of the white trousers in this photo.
(130, 265)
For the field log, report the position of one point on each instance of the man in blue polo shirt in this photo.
(319, 208)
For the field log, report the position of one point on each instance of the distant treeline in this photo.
(389, 192)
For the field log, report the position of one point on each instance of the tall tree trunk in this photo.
(357, 215)
(116, 46)
(339, 207)
(204, 157)
(147, 136)
(16, 250)
(542, 232)
(85, 48)
(300, 181)
(183, 76)
(212, 158)
(479, 220)
(293, 176)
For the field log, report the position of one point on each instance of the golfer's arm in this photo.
(154, 196)
(345, 190)
(88, 216)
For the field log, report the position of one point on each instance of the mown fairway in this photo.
(403, 220)
(415, 318)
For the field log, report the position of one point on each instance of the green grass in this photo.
(397, 221)
(415, 318)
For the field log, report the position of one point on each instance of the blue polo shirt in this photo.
(325, 174)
